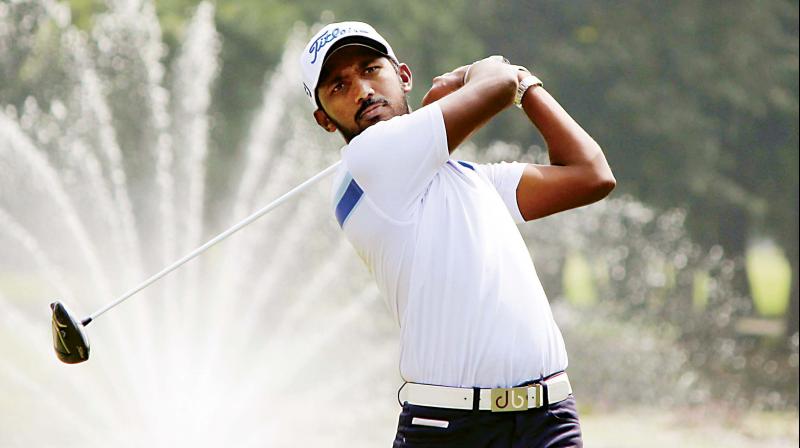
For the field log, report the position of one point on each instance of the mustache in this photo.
(368, 103)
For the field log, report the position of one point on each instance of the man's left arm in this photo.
(578, 173)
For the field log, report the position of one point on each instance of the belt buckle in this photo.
(511, 399)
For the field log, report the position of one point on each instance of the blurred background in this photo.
(132, 131)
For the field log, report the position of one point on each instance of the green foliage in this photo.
(83, 11)
(694, 102)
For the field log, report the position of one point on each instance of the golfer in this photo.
(483, 361)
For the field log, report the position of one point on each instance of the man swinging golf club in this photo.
(483, 359)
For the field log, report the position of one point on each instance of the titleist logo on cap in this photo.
(329, 36)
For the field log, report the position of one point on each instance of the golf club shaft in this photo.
(286, 196)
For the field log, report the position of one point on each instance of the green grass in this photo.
(578, 278)
(770, 277)
(700, 290)
(687, 428)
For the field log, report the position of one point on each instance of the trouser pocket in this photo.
(422, 427)
(564, 411)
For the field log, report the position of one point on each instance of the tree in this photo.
(695, 103)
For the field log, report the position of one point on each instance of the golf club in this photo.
(70, 341)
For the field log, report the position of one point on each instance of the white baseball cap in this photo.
(331, 38)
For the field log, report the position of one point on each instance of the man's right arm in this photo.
(488, 88)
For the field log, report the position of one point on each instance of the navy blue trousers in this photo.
(552, 426)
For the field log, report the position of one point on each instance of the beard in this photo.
(396, 108)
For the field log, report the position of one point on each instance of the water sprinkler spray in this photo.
(70, 341)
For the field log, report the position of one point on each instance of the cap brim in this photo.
(356, 40)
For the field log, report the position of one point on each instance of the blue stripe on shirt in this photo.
(348, 200)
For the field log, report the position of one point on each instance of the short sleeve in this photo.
(393, 161)
(505, 177)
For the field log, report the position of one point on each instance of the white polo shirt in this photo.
(440, 239)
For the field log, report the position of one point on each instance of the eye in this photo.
(372, 68)
(337, 87)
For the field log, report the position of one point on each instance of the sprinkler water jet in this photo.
(70, 340)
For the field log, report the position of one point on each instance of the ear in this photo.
(405, 77)
(324, 120)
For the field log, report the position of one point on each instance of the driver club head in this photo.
(69, 337)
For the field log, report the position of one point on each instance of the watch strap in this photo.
(524, 85)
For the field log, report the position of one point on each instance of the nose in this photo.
(364, 91)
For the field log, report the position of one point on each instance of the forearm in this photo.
(468, 104)
(567, 142)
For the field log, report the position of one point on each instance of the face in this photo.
(359, 87)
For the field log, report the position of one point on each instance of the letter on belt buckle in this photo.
(511, 399)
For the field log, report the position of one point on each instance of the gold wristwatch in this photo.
(524, 85)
